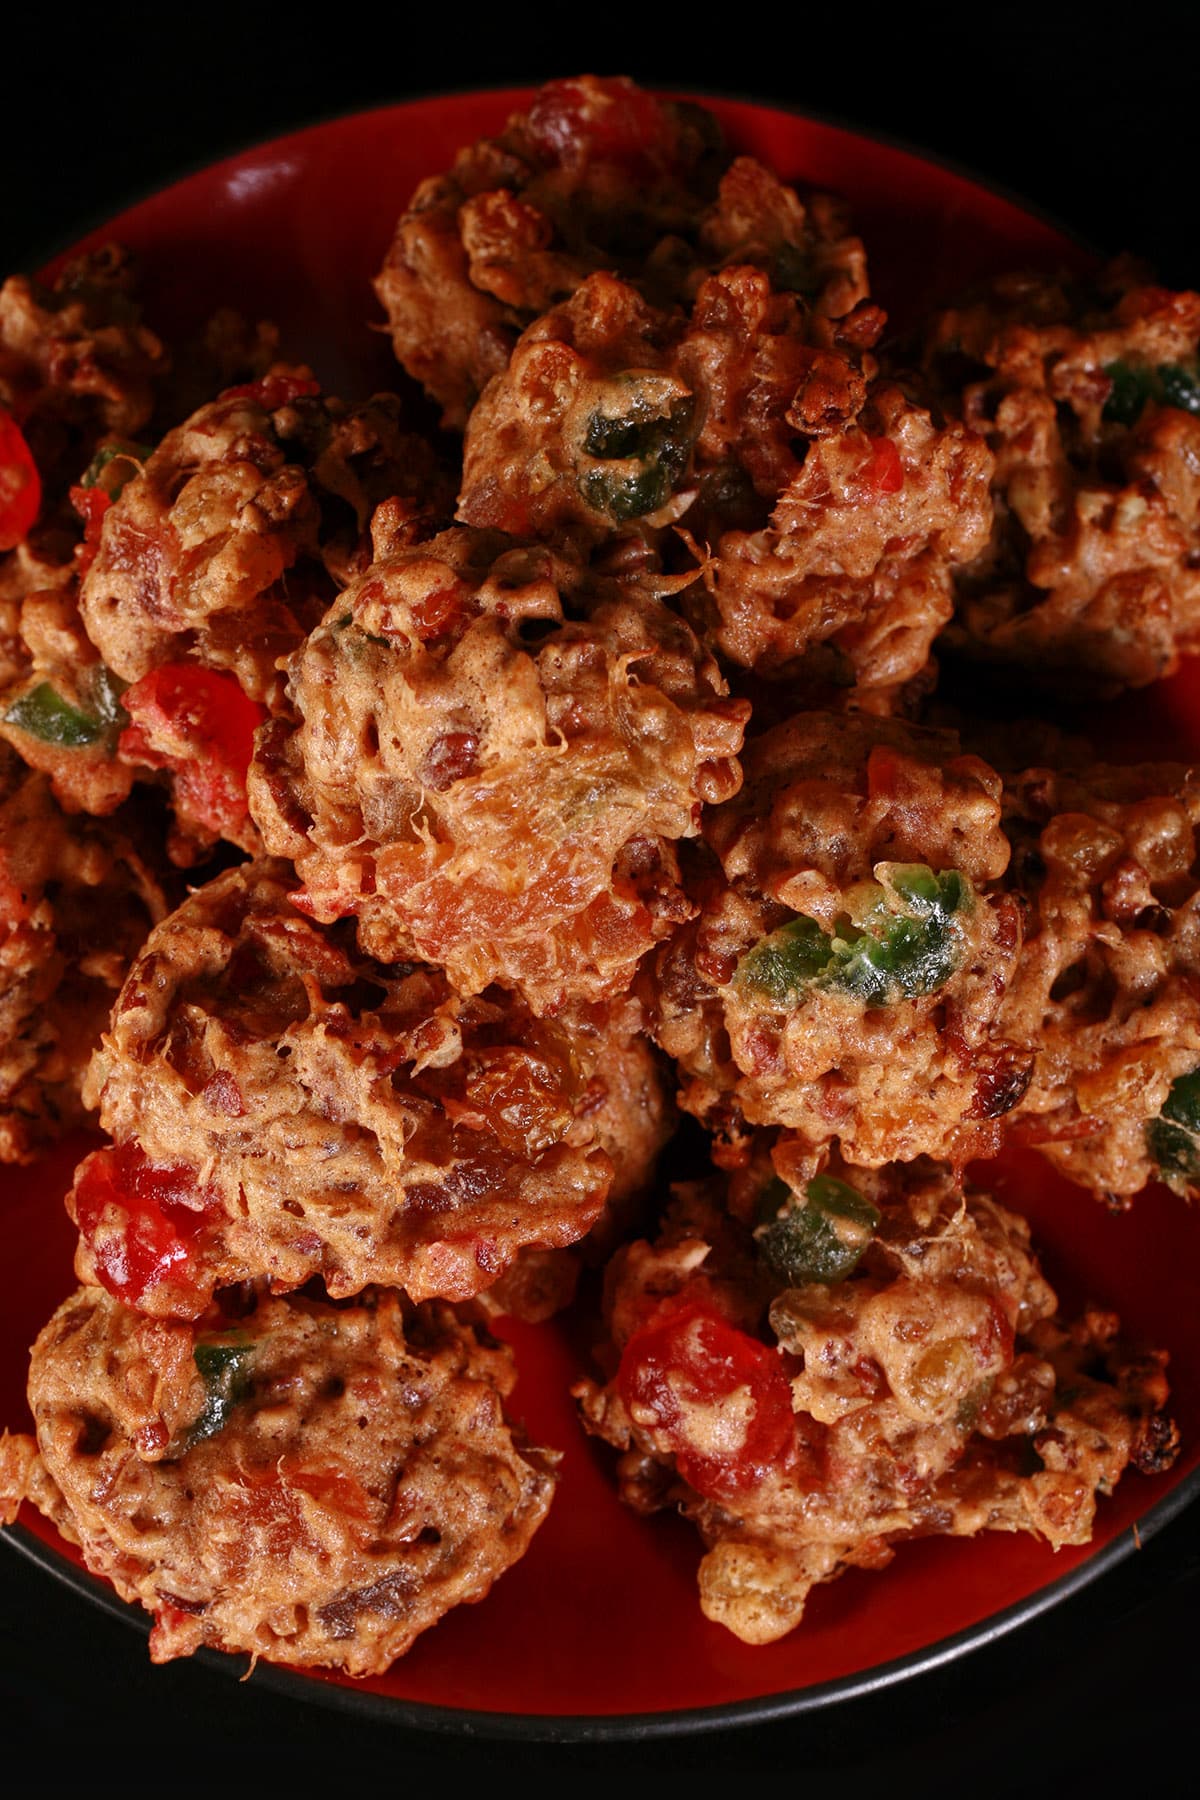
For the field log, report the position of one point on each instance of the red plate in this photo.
(600, 1621)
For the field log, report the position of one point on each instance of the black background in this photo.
(1090, 117)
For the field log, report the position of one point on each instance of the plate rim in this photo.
(47, 250)
(685, 1722)
(623, 1727)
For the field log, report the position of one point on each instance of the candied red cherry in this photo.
(198, 723)
(20, 484)
(884, 472)
(714, 1398)
(573, 122)
(141, 1223)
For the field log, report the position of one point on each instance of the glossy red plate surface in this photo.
(601, 1620)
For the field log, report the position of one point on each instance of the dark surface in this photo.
(1104, 1685)
(1093, 126)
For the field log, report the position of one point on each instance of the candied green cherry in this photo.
(1173, 1139)
(642, 447)
(818, 1236)
(900, 938)
(929, 896)
(43, 713)
(113, 466)
(224, 1366)
(1179, 385)
(1131, 389)
(788, 962)
(1134, 385)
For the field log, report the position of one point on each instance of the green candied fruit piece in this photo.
(1173, 1139)
(906, 942)
(611, 437)
(784, 965)
(225, 1372)
(1179, 385)
(916, 950)
(930, 896)
(44, 714)
(113, 466)
(652, 449)
(1132, 387)
(1182, 1104)
(628, 495)
(1176, 1152)
(820, 1237)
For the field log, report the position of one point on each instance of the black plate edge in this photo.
(599, 1728)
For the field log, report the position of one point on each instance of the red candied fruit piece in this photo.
(601, 120)
(304, 903)
(91, 503)
(164, 1633)
(714, 1397)
(883, 472)
(885, 772)
(441, 613)
(274, 391)
(995, 1340)
(198, 724)
(20, 484)
(142, 1222)
(334, 1489)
